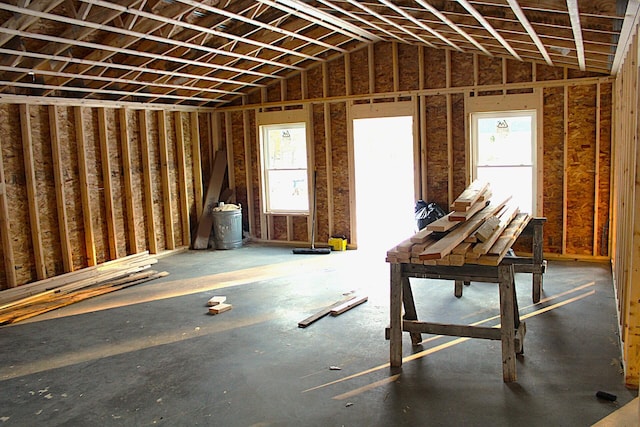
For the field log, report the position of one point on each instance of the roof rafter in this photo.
(574, 14)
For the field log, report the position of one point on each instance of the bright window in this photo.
(284, 167)
(503, 145)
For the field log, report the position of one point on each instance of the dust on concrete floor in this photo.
(151, 355)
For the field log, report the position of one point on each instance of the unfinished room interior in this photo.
(319, 212)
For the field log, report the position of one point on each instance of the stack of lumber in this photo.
(478, 230)
(29, 300)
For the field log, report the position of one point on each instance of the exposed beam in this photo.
(532, 33)
(428, 29)
(574, 15)
(487, 26)
(629, 25)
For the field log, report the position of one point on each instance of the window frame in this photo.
(282, 119)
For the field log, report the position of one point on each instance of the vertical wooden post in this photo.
(5, 230)
(167, 199)
(347, 73)
(128, 182)
(248, 170)
(148, 183)
(30, 173)
(106, 178)
(197, 161)
(450, 195)
(58, 178)
(182, 180)
(507, 322)
(229, 146)
(329, 162)
(565, 168)
(396, 69)
(372, 71)
(84, 189)
(596, 189)
(422, 119)
(395, 323)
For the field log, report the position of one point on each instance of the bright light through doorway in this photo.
(383, 160)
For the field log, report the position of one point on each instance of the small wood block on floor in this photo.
(216, 300)
(348, 305)
(220, 308)
(322, 313)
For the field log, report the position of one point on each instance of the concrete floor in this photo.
(151, 355)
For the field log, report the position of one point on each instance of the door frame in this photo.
(373, 111)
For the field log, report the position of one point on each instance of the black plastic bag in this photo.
(426, 213)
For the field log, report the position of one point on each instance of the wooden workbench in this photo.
(512, 330)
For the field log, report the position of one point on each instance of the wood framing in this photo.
(106, 179)
(167, 200)
(148, 183)
(83, 172)
(127, 172)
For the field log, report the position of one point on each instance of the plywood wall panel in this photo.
(360, 72)
(300, 234)
(435, 70)
(279, 228)
(117, 179)
(580, 169)
(73, 202)
(17, 193)
(294, 87)
(489, 73)
(314, 83)
(519, 72)
(459, 143)
(461, 69)
(546, 72)
(408, 66)
(237, 141)
(274, 93)
(383, 67)
(319, 153)
(340, 173)
(337, 83)
(436, 143)
(96, 186)
(45, 190)
(253, 143)
(553, 168)
(604, 184)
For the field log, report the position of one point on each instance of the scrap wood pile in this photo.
(476, 231)
(30, 300)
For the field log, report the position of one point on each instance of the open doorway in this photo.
(384, 181)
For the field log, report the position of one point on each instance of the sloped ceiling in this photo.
(209, 52)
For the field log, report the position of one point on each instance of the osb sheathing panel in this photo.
(207, 150)
(360, 72)
(461, 69)
(239, 163)
(337, 85)
(300, 233)
(580, 169)
(279, 227)
(117, 180)
(273, 93)
(73, 203)
(519, 72)
(137, 179)
(95, 183)
(314, 83)
(45, 190)
(340, 163)
(436, 142)
(294, 87)
(156, 178)
(489, 73)
(383, 67)
(16, 192)
(459, 143)
(408, 62)
(319, 152)
(255, 169)
(435, 70)
(545, 73)
(553, 166)
(172, 170)
(604, 188)
(188, 160)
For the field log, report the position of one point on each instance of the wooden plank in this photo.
(220, 308)
(421, 236)
(482, 332)
(32, 192)
(107, 184)
(5, 230)
(58, 177)
(462, 248)
(488, 227)
(213, 193)
(484, 196)
(442, 224)
(215, 300)
(504, 221)
(470, 195)
(336, 311)
(182, 180)
(405, 245)
(85, 196)
(148, 183)
(509, 235)
(443, 246)
(322, 313)
(167, 198)
(197, 160)
(128, 182)
(473, 209)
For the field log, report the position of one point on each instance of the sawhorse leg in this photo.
(508, 321)
(395, 309)
(410, 308)
(537, 258)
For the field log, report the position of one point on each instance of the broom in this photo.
(312, 250)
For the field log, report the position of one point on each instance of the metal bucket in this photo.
(227, 229)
